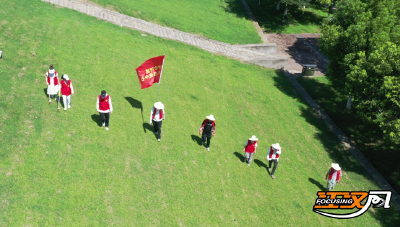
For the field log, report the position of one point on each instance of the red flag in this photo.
(150, 71)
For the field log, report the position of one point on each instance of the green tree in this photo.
(362, 42)
(299, 3)
(330, 3)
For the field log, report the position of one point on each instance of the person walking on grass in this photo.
(207, 130)
(157, 114)
(104, 107)
(66, 90)
(250, 148)
(273, 157)
(52, 83)
(333, 176)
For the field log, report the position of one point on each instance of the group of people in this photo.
(207, 130)
(54, 86)
(157, 115)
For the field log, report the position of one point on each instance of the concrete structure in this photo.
(267, 48)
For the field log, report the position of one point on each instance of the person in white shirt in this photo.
(104, 107)
(156, 116)
(52, 83)
(333, 176)
(273, 157)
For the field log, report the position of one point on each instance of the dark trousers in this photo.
(275, 165)
(105, 118)
(204, 136)
(157, 128)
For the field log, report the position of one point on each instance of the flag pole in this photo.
(159, 81)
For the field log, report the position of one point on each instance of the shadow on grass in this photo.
(196, 139)
(261, 164)
(381, 150)
(358, 130)
(148, 127)
(239, 156)
(271, 20)
(137, 105)
(319, 185)
(236, 7)
(96, 118)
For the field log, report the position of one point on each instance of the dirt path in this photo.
(298, 52)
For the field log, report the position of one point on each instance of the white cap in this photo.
(335, 166)
(66, 77)
(277, 147)
(211, 117)
(253, 138)
(51, 71)
(159, 105)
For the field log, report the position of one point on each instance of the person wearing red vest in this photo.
(207, 130)
(66, 90)
(157, 114)
(52, 83)
(273, 156)
(104, 107)
(250, 148)
(333, 176)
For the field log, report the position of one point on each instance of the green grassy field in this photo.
(61, 168)
(270, 20)
(365, 133)
(222, 20)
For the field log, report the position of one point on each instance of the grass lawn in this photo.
(62, 169)
(222, 20)
(381, 150)
(270, 19)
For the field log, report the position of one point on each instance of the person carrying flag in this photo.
(333, 176)
(156, 116)
(104, 107)
(250, 148)
(52, 83)
(273, 156)
(66, 90)
(207, 130)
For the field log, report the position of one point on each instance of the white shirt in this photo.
(104, 111)
(157, 116)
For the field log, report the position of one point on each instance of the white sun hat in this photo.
(51, 71)
(276, 146)
(66, 77)
(159, 105)
(335, 166)
(211, 117)
(253, 138)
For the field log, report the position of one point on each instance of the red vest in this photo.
(251, 147)
(104, 103)
(66, 88)
(205, 122)
(337, 176)
(271, 153)
(154, 113)
(55, 79)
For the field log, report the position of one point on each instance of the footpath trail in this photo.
(245, 53)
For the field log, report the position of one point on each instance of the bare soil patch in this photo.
(297, 52)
